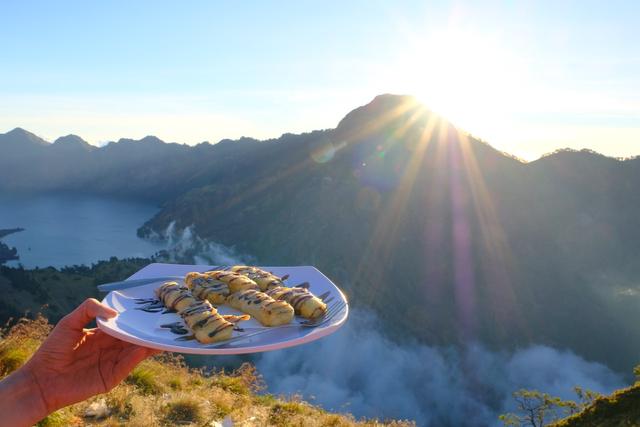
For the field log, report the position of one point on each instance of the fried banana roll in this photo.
(201, 317)
(264, 279)
(175, 297)
(262, 307)
(236, 282)
(303, 302)
(207, 324)
(205, 287)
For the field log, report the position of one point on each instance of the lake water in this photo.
(70, 229)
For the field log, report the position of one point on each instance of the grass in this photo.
(145, 380)
(19, 342)
(184, 410)
(175, 383)
(265, 399)
(163, 391)
(231, 384)
(61, 418)
(284, 413)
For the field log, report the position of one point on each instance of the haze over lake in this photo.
(63, 229)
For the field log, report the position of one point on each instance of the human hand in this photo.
(74, 363)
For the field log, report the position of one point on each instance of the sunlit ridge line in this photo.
(379, 122)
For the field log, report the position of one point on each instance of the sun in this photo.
(468, 78)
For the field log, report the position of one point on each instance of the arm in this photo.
(20, 400)
(71, 365)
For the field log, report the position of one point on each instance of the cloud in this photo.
(185, 246)
(362, 371)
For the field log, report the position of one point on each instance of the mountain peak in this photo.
(20, 135)
(149, 139)
(382, 111)
(391, 98)
(72, 141)
(152, 139)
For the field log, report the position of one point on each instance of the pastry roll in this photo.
(303, 302)
(236, 282)
(262, 307)
(207, 324)
(206, 287)
(264, 279)
(201, 317)
(175, 297)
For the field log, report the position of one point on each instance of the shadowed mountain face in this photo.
(447, 238)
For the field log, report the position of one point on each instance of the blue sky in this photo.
(528, 77)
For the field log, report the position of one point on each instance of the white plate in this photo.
(143, 328)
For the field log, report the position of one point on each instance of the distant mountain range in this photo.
(447, 238)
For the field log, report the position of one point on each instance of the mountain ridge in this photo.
(405, 211)
(383, 102)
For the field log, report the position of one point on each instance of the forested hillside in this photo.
(466, 243)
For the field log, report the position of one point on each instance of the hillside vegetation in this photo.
(56, 292)
(621, 409)
(163, 391)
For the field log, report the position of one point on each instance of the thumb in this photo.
(86, 312)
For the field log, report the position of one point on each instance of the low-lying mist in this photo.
(364, 372)
(185, 246)
(361, 371)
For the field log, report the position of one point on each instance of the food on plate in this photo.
(175, 297)
(264, 279)
(262, 307)
(236, 282)
(303, 302)
(301, 299)
(205, 287)
(201, 317)
(251, 290)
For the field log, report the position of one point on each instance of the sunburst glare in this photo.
(469, 78)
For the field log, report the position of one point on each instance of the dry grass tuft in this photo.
(19, 341)
(283, 413)
(244, 381)
(145, 380)
(61, 418)
(184, 410)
